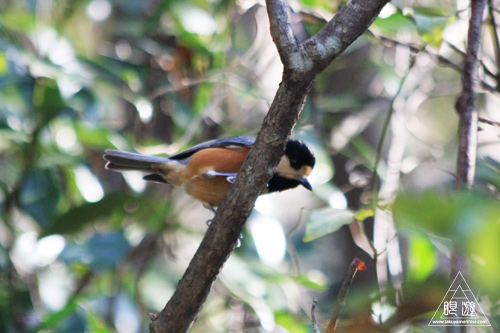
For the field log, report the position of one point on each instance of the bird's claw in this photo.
(238, 242)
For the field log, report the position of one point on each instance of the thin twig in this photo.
(485, 68)
(496, 38)
(489, 121)
(380, 146)
(356, 265)
(438, 58)
(466, 103)
(313, 317)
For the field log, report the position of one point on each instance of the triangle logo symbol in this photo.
(459, 307)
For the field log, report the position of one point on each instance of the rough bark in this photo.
(468, 122)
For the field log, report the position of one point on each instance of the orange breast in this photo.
(211, 190)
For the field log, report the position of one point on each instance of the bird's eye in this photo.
(293, 163)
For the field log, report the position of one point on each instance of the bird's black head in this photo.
(299, 154)
(294, 167)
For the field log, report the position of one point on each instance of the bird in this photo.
(207, 170)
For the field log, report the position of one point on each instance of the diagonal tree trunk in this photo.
(302, 61)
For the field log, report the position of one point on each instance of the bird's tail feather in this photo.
(125, 161)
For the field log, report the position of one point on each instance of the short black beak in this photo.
(304, 182)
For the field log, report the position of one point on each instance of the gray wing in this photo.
(235, 141)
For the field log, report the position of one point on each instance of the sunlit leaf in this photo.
(329, 6)
(363, 214)
(431, 28)
(392, 24)
(290, 322)
(422, 257)
(17, 19)
(96, 137)
(483, 248)
(4, 67)
(307, 282)
(326, 221)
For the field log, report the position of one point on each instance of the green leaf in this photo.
(203, 96)
(47, 99)
(96, 137)
(4, 64)
(107, 249)
(17, 19)
(329, 6)
(454, 215)
(290, 322)
(488, 171)
(52, 320)
(52, 158)
(392, 24)
(76, 218)
(431, 28)
(305, 281)
(422, 257)
(101, 252)
(340, 102)
(363, 214)
(483, 248)
(40, 196)
(429, 211)
(96, 324)
(326, 221)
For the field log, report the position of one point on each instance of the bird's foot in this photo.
(238, 242)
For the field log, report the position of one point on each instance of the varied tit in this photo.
(207, 170)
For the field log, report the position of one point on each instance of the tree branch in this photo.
(466, 103)
(281, 30)
(468, 118)
(356, 265)
(222, 235)
(313, 317)
(350, 22)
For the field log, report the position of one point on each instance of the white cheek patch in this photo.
(285, 169)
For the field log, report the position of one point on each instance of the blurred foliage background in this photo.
(83, 249)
